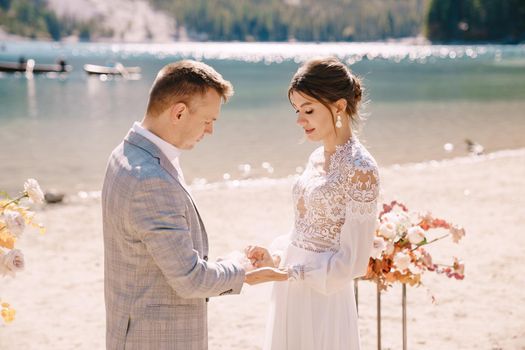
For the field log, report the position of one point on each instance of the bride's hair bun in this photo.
(357, 91)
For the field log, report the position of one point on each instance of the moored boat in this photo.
(117, 69)
(30, 66)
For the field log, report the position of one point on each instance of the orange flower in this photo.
(7, 241)
(7, 313)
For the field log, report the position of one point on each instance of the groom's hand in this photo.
(259, 256)
(265, 274)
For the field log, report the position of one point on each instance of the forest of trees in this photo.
(32, 19)
(476, 20)
(301, 20)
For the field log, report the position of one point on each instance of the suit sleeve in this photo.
(158, 214)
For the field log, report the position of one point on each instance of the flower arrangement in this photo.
(398, 254)
(14, 218)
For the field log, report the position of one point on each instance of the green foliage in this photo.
(53, 25)
(304, 20)
(32, 18)
(476, 20)
(5, 4)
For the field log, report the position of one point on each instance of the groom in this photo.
(157, 274)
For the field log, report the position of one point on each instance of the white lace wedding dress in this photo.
(335, 220)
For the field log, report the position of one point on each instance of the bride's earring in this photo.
(338, 122)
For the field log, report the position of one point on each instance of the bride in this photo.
(335, 218)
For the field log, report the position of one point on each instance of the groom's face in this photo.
(203, 111)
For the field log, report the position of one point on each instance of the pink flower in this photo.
(12, 262)
(426, 259)
(457, 233)
(15, 222)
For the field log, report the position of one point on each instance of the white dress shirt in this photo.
(171, 152)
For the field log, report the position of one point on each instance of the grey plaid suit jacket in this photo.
(156, 273)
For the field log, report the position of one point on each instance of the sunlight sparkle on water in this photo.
(269, 53)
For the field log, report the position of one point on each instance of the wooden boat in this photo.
(117, 69)
(30, 66)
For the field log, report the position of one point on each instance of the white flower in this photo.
(378, 248)
(390, 248)
(402, 261)
(15, 222)
(400, 222)
(416, 235)
(414, 269)
(33, 190)
(404, 219)
(390, 217)
(387, 230)
(12, 262)
(403, 223)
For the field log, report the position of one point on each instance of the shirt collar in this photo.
(170, 151)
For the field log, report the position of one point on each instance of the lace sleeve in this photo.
(333, 271)
(362, 186)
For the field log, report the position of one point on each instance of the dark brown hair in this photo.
(180, 81)
(327, 80)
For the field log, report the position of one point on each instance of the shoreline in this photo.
(408, 41)
(261, 182)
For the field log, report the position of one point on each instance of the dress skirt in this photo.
(303, 318)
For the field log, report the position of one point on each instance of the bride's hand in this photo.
(265, 274)
(259, 256)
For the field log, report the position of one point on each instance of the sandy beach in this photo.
(60, 303)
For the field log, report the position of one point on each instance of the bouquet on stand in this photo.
(398, 254)
(14, 218)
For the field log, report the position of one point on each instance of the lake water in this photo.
(61, 130)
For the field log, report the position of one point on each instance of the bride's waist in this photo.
(316, 244)
(303, 255)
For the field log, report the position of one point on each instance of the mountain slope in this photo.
(129, 21)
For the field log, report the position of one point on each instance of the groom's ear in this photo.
(178, 111)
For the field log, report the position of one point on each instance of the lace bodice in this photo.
(324, 199)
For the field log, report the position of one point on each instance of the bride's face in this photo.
(313, 117)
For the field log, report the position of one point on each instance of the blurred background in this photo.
(443, 78)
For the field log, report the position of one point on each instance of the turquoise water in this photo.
(62, 129)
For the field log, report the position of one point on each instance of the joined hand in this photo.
(261, 257)
(266, 266)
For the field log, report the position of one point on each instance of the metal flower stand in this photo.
(378, 306)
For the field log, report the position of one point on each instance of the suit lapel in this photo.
(148, 146)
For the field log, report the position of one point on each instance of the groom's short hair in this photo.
(181, 81)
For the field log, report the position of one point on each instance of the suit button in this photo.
(207, 299)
